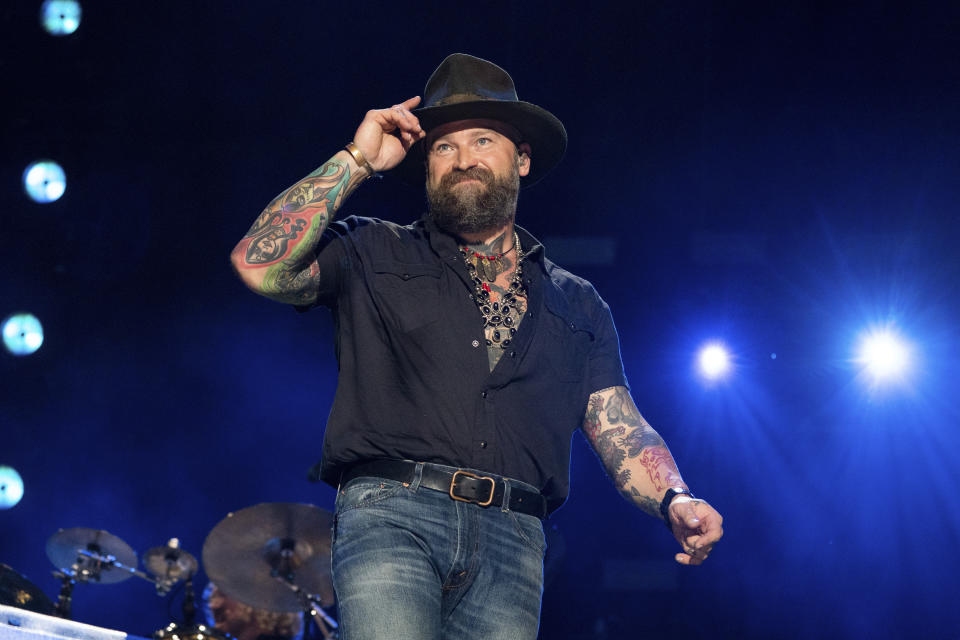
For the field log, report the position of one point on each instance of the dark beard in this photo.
(488, 206)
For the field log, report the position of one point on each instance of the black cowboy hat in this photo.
(464, 87)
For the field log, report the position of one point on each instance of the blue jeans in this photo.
(410, 563)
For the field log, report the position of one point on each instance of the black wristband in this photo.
(668, 497)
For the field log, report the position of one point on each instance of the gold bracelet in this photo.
(360, 159)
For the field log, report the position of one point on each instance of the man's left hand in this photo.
(697, 526)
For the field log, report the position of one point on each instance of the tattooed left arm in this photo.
(640, 465)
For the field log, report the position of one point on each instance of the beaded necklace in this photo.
(487, 268)
(501, 316)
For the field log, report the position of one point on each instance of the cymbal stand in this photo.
(312, 605)
(189, 605)
(64, 599)
(87, 567)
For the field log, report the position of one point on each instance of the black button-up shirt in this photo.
(414, 378)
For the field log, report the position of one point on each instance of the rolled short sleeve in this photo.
(336, 255)
(605, 364)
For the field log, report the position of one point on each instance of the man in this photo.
(466, 361)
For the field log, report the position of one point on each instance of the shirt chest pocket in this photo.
(408, 295)
(569, 349)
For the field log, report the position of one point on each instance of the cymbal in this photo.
(245, 552)
(169, 563)
(17, 591)
(64, 547)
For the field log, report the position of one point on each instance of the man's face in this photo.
(473, 175)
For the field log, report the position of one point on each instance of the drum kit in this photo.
(272, 556)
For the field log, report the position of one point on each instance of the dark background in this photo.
(777, 175)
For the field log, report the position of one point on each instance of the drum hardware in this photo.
(169, 564)
(272, 556)
(312, 607)
(92, 555)
(89, 567)
(85, 556)
(189, 629)
(275, 556)
(174, 631)
(82, 556)
(64, 599)
(254, 554)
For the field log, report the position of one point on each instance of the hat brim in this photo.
(538, 127)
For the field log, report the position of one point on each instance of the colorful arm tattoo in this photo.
(277, 256)
(634, 455)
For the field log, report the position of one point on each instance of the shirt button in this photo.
(483, 444)
(513, 354)
(475, 343)
(483, 394)
(573, 326)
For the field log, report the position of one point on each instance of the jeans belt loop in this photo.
(417, 477)
(506, 496)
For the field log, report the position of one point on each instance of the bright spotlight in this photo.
(22, 334)
(44, 181)
(713, 361)
(884, 355)
(60, 17)
(11, 487)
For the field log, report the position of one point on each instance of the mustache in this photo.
(473, 173)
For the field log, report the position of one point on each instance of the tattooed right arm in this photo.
(276, 257)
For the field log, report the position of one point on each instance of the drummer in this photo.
(244, 622)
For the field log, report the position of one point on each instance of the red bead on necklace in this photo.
(488, 267)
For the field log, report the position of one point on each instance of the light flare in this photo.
(884, 355)
(713, 361)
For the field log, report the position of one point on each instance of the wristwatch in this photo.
(668, 497)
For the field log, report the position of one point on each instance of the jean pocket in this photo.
(362, 492)
(530, 531)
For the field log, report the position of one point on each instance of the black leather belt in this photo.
(482, 489)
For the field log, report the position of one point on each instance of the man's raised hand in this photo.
(385, 135)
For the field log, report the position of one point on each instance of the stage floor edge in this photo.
(20, 624)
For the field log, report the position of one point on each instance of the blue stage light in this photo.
(713, 361)
(22, 334)
(44, 181)
(884, 355)
(11, 487)
(60, 17)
